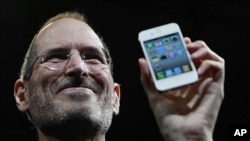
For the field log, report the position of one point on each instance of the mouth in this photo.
(75, 94)
(76, 88)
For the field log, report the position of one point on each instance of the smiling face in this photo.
(71, 93)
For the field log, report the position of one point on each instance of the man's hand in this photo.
(190, 112)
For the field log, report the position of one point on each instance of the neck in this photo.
(70, 136)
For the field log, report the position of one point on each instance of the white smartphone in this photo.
(169, 61)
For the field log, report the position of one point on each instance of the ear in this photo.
(116, 99)
(21, 96)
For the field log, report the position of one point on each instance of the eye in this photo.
(93, 58)
(56, 57)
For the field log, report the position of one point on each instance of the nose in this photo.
(76, 67)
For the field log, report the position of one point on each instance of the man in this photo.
(67, 90)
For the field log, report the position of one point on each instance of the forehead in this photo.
(69, 33)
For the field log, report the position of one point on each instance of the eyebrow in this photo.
(63, 49)
(57, 49)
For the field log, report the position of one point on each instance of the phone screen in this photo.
(168, 56)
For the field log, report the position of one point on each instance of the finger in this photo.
(216, 69)
(198, 44)
(187, 40)
(202, 51)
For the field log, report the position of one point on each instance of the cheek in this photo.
(41, 95)
(41, 81)
(106, 83)
(104, 79)
(108, 91)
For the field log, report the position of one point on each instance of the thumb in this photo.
(145, 77)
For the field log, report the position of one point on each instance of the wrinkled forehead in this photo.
(67, 32)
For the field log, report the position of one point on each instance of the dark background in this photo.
(223, 25)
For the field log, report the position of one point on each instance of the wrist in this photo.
(181, 135)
